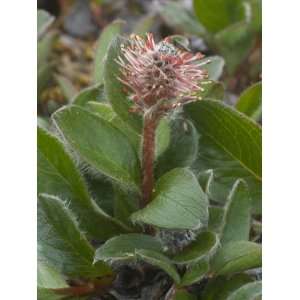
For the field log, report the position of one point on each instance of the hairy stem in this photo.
(148, 155)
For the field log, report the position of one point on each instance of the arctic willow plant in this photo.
(144, 191)
(160, 78)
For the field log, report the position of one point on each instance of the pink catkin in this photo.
(157, 73)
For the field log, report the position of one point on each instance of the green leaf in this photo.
(183, 147)
(106, 112)
(144, 24)
(230, 145)
(159, 260)
(44, 48)
(106, 37)
(234, 43)
(46, 294)
(205, 245)
(224, 174)
(212, 288)
(125, 203)
(212, 90)
(183, 295)
(195, 273)
(236, 257)
(100, 144)
(256, 15)
(178, 203)
(43, 122)
(101, 190)
(92, 93)
(114, 89)
(162, 131)
(162, 137)
(237, 215)
(220, 287)
(44, 20)
(218, 14)
(216, 219)
(235, 134)
(67, 87)
(249, 291)
(250, 102)
(214, 67)
(44, 73)
(205, 178)
(125, 246)
(62, 244)
(178, 17)
(58, 175)
(102, 109)
(133, 137)
(49, 278)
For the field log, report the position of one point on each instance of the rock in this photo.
(79, 22)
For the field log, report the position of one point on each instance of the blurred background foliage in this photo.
(69, 30)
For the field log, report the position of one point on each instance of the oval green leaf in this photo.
(145, 23)
(60, 242)
(177, 17)
(105, 111)
(234, 133)
(124, 204)
(67, 87)
(249, 291)
(162, 137)
(58, 175)
(215, 15)
(204, 246)
(230, 144)
(178, 203)
(114, 89)
(44, 20)
(125, 246)
(182, 149)
(91, 93)
(159, 260)
(106, 37)
(236, 257)
(250, 102)
(102, 109)
(219, 288)
(216, 219)
(100, 144)
(234, 43)
(195, 273)
(46, 294)
(237, 216)
(48, 277)
(214, 67)
(212, 90)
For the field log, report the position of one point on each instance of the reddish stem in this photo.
(76, 290)
(99, 286)
(148, 155)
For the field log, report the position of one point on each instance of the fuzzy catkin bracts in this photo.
(160, 76)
